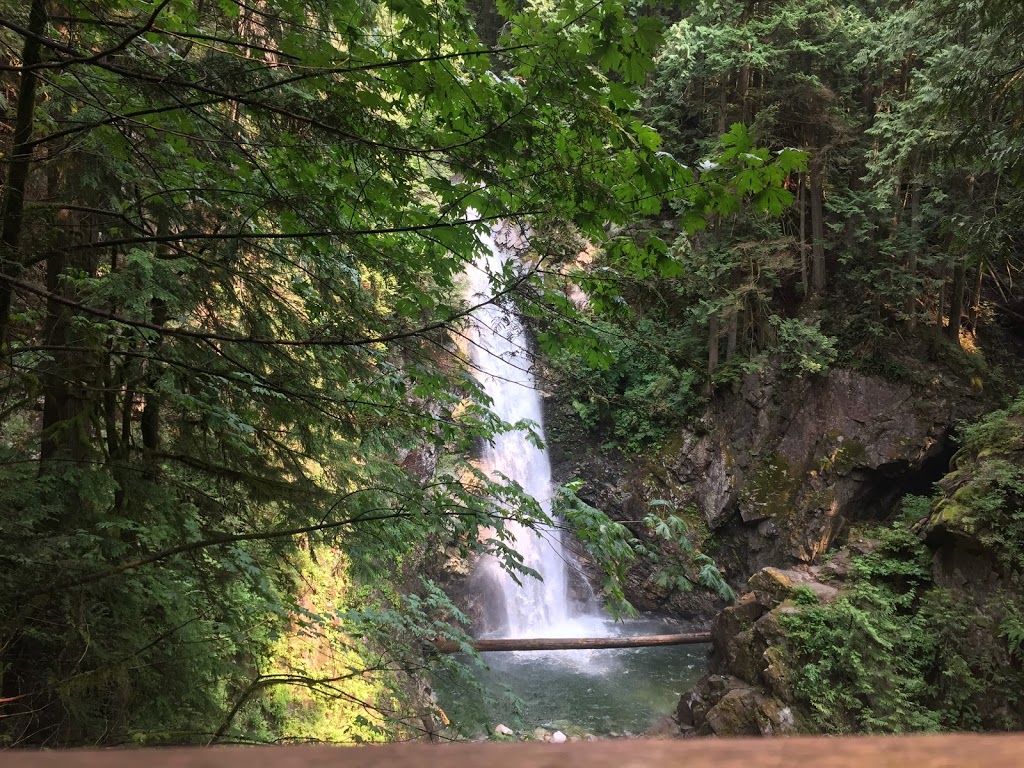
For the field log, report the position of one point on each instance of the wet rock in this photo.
(665, 728)
(691, 709)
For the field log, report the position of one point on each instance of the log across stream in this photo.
(575, 643)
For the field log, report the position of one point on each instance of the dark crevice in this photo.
(884, 486)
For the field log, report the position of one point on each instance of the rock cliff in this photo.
(772, 471)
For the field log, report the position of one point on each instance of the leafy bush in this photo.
(679, 563)
(897, 652)
(865, 657)
(644, 387)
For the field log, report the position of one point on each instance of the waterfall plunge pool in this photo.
(606, 693)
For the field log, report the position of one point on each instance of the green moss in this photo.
(949, 513)
(847, 456)
(983, 494)
(772, 489)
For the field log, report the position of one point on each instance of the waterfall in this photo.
(502, 361)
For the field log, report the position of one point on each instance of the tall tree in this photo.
(232, 238)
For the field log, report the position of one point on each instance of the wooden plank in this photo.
(576, 643)
(935, 751)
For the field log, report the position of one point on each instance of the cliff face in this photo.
(773, 471)
(919, 625)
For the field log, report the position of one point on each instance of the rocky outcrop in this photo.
(749, 691)
(774, 470)
(973, 526)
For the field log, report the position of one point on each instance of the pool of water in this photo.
(613, 692)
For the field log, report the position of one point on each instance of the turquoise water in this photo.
(612, 692)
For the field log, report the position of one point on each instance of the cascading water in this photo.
(500, 355)
(601, 692)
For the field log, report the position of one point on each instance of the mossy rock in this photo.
(771, 491)
(777, 673)
(775, 718)
(771, 586)
(735, 714)
(745, 657)
(848, 455)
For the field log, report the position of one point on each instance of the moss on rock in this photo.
(771, 491)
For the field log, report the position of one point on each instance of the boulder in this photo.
(773, 717)
(691, 710)
(776, 673)
(735, 714)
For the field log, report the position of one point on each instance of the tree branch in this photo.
(329, 341)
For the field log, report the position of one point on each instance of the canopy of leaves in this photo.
(231, 239)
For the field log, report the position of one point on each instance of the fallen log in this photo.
(574, 643)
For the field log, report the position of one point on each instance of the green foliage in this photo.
(665, 540)
(610, 543)
(802, 346)
(917, 195)
(228, 313)
(641, 391)
(986, 486)
(637, 376)
(897, 652)
(864, 658)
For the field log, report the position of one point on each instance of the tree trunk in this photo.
(713, 333)
(67, 424)
(974, 311)
(801, 198)
(956, 302)
(13, 207)
(818, 228)
(575, 643)
(744, 85)
(730, 339)
(940, 310)
(150, 421)
(910, 307)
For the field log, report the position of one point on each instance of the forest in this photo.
(238, 419)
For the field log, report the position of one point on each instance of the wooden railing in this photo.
(943, 751)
